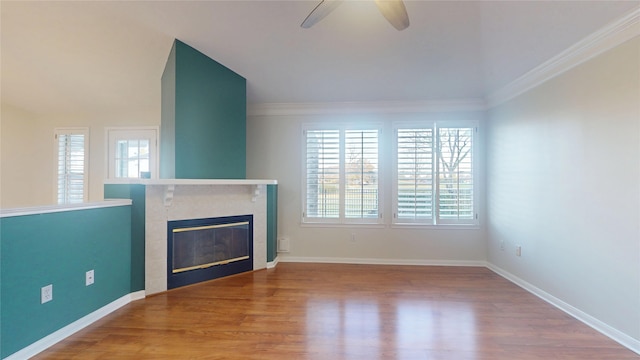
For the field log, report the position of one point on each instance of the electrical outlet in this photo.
(353, 237)
(89, 278)
(283, 244)
(502, 245)
(518, 250)
(46, 293)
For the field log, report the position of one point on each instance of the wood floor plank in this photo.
(338, 311)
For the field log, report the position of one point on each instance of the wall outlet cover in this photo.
(283, 244)
(46, 293)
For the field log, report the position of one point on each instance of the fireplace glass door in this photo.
(205, 249)
(205, 246)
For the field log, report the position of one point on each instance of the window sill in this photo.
(405, 226)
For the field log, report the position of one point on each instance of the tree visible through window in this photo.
(434, 175)
(455, 174)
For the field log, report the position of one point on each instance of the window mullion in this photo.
(416, 176)
(342, 177)
(362, 155)
(435, 203)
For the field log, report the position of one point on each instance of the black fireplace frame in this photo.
(175, 280)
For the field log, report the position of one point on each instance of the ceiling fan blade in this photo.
(395, 12)
(323, 9)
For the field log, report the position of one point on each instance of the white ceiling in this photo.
(94, 56)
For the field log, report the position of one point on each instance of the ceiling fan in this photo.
(393, 10)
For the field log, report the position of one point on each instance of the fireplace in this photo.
(206, 249)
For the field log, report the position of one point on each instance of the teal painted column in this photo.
(204, 118)
(168, 118)
(272, 222)
(137, 194)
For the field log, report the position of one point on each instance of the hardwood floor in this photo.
(336, 311)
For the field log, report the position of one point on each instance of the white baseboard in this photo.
(57, 336)
(616, 335)
(334, 260)
(138, 295)
(274, 263)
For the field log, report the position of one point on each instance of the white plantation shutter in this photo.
(361, 170)
(414, 174)
(72, 154)
(455, 173)
(322, 174)
(433, 175)
(434, 179)
(341, 179)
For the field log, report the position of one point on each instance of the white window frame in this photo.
(435, 220)
(85, 181)
(342, 219)
(112, 134)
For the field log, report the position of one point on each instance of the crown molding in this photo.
(381, 107)
(612, 35)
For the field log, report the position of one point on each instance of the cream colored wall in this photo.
(274, 151)
(563, 182)
(28, 160)
(24, 159)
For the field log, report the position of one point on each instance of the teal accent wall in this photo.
(137, 194)
(272, 222)
(209, 105)
(168, 117)
(58, 248)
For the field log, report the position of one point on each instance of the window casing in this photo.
(72, 154)
(341, 179)
(434, 175)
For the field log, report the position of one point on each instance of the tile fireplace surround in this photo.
(182, 199)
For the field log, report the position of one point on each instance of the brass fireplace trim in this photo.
(208, 265)
(210, 227)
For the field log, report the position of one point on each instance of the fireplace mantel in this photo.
(170, 184)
